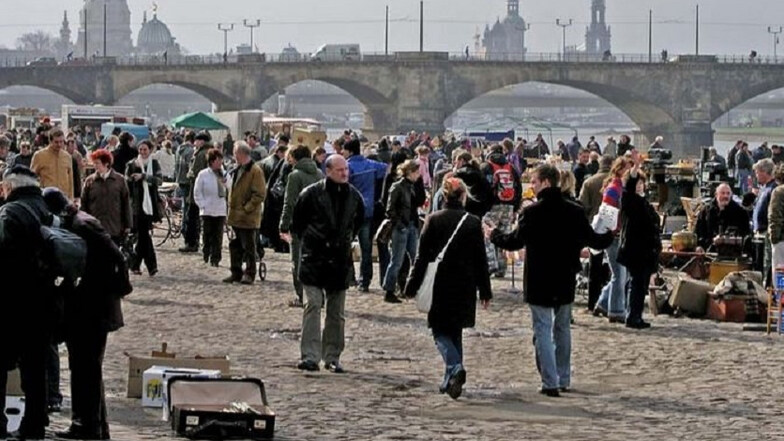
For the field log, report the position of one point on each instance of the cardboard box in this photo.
(137, 366)
(14, 411)
(156, 378)
(14, 385)
(691, 296)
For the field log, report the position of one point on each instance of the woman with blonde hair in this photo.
(462, 272)
(568, 183)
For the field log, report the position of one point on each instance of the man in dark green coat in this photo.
(304, 174)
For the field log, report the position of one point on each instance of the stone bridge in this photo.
(678, 100)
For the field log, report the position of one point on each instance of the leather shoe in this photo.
(638, 325)
(231, 279)
(619, 319)
(599, 312)
(77, 432)
(390, 297)
(307, 365)
(550, 392)
(335, 367)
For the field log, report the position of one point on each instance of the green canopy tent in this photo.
(198, 120)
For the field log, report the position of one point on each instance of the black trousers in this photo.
(638, 288)
(31, 355)
(191, 221)
(212, 238)
(53, 395)
(85, 360)
(242, 249)
(145, 251)
(597, 277)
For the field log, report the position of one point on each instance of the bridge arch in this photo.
(643, 110)
(69, 94)
(377, 107)
(209, 86)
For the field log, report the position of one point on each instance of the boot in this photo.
(391, 298)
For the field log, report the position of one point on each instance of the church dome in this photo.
(154, 37)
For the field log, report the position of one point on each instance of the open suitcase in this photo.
(220, 408)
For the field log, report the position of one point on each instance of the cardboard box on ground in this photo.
(137, 366)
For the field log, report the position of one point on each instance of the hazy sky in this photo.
(728, 26)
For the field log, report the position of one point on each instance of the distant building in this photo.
(117, 26)
(597, 35)
(155, 38)
(506, 39)
(64, 46)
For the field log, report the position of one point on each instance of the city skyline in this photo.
(726, 28)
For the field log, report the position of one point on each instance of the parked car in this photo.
(43, 61)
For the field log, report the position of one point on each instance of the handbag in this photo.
(384, 232)
(424, 297)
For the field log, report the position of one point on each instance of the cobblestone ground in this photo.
(683, 379)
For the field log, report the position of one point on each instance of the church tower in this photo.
(118, 28)
(63, 46)
(597, 36)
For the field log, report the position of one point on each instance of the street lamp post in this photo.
(251, 25)
(563, 24)
(225, 28)
(775, 32)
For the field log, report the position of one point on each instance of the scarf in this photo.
(146, 167)
(221, 182)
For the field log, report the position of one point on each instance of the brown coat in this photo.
(591, 194)
(246, 196)
(108, 200)
(54, 170)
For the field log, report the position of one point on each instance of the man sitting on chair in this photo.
(722, 215)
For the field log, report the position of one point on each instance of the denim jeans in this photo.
(366, 251)
(404, 241)
(613, 297)
(450, 346)
(383, 261)
(553, 343)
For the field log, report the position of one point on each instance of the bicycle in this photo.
(170, 226)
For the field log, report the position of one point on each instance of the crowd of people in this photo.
(406, 198)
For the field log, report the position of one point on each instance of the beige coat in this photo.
(54, 170)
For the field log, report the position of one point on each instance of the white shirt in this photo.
(205, 194)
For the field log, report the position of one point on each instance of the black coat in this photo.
(481, 191)
(26, 299)
(136, 189)
(711, 222)
(122, 156)
(640, 232)
(554, 231)
(326, 238)
(94, 305)
(462, 272)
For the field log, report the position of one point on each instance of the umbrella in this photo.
(198, 120)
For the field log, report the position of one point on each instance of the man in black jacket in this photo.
(554, 231)
(25, 329)
(723, 215)
(327, 217)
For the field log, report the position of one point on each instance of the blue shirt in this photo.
(363, 174)
(760, 217)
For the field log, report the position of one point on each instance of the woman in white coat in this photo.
(209, 193)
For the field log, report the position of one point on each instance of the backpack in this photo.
(63, 253)
(503, 182)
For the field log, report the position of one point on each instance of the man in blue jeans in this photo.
(365, 175)
(554, 231)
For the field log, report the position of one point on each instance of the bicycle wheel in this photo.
(161, 231)
(262, 271)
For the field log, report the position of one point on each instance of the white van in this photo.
(337, 52)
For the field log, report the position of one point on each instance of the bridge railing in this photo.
(366, 57)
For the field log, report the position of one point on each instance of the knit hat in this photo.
(55, 200)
